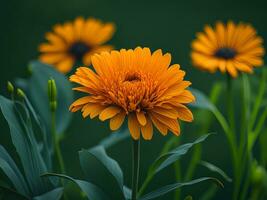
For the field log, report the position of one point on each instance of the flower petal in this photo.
(147, 130)
(141, 118)
(184, 114)
(116, 121)
(134, 126)
(109, 112)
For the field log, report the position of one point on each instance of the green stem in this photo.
(262, 139)
(230, 104)
(228, 133)
(177, 168)
(243, 146)
(231, 135)
(247, 180)
(57, 149)
(258, 100)
(255, 194)
(135, 169)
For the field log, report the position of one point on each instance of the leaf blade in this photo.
(168, 188)
(92, 191)
(110, 169)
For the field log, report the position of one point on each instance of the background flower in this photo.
(136, 84)
(74, 42)
(228, 47)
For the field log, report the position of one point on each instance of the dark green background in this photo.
(169, 25)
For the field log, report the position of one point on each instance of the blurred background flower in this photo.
(75, 42)
(229, 48)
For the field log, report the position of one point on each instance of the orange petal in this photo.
(109, 112)
(185, 114)
(81, 101)
(141, 118)
(133, 126)
(166, 112)
(160, 126)
(116, 121)
(93, 110)
(65, 65)
(186, 97)
(147, 130)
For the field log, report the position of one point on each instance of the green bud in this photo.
(188, 198)
(10, 87)
(258, 175)
(20, 93)
(52, 94)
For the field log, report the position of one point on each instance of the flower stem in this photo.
(57, 150)
(230, 105)
(135, 168)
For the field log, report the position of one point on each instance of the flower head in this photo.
(134, 84)
(74, 42)
(228, 47)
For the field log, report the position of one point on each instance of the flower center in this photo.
(132, 77)
(226, 53)
(78, 50)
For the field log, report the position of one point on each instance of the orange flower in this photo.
(228, 47)
(134, 84)
(75, 42)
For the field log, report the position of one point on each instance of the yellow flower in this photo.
(74, 42)
(134, 84)
(228, 47)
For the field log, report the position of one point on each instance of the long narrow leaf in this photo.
(12, 171)
(17, 117)
(216, 169)
(172, 156)
(92, 191)
(168, 188)
(96, 163)
(55, 194)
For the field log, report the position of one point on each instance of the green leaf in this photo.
(92, 191)
(36, 88)
(172, 156)
(127, 192)
(46, 144)
(98, 166)
(168, 188)
(24, 141)
(114, 138)
(216, 169)
(202, 101)
(11, 170)
(55, 194)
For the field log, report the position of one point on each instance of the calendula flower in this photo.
(136, 84)
(74, 42)
(228, 47)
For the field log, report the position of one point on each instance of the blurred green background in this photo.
(169, 25)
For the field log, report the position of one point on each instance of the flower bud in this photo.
(20, 93)
(259, 175)
(10, 87)
(52, 94)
